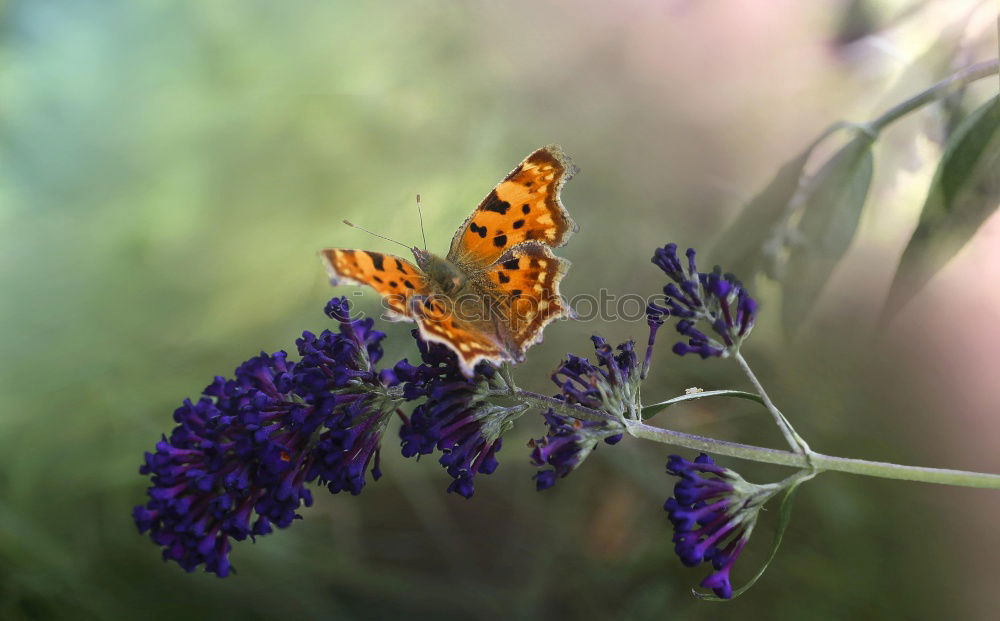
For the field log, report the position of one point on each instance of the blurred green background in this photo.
(169, 170)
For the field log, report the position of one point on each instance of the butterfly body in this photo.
(490, 297)
(449, 277)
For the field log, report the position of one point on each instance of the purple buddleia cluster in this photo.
(713, 511)
(713, 298)
(566, 444)
(456, 415)
(611, 386)
(238, 461)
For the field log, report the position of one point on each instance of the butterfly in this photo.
(497, 288)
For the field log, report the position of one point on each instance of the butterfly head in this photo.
(423, 257)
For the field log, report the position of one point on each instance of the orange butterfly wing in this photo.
(527, 280)
(408, 293)
(525, 206)
(439, 323)
(395, 279)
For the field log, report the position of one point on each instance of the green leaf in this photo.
(741, 248)
(833, 201)
(964, 192)
(784, 517)
(650, 411)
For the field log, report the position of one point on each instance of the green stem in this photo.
(576, 411)
(820, 461)
(940, 90)
(817, 461)
(795, 441)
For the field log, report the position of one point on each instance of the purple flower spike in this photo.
(715, 299)
(611, 386)
(568, 442)
(713, 511)
(456, 416)
(238, 461)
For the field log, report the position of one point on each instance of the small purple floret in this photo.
(454, 417)
(566, 444)
(713, 511)
(719, 300)
(609, 386)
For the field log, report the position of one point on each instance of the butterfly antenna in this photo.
(376, 234)
(421, 214)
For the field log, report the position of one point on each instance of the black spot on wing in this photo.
(409, 285)
(399, 266)
(377, 279)
(518, 224)
(525, 208)
(494, 204)
(500, 241)
(515, 292)
(512, 264)
(503, 277)
(478, 230)
(377, 259)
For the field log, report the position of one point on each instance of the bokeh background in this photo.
(169, 170)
